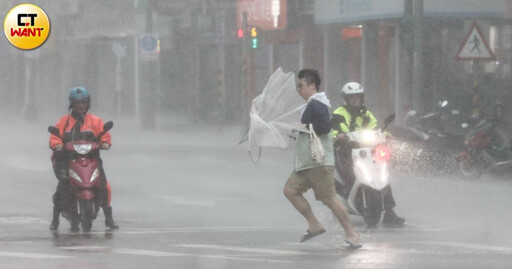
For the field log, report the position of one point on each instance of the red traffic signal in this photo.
(240, 33)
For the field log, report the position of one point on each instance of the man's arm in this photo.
(56, 142)
(317, 114)
(373, 121)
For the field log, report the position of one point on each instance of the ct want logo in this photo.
(26, 26)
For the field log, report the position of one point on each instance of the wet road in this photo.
(192, 199)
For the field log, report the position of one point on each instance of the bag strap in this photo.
(312, 133)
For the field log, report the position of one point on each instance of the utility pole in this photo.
(221, 33)
(403, 95)
(248, 69)
(418, 95)
(146, 71)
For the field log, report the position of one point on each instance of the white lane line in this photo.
(165, 254)
(244, 249)
(25, 163)
(177, 200)
(140, 252)
(243, 259)
(200, 229)
(31, 255)
(469, 246)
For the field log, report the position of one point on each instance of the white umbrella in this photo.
(275, 113)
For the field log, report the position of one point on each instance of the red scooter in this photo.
(82, 199)
(485, 150)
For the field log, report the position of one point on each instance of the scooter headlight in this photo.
(369, 137)
(95, 175)
(82, 148)
(74, 175)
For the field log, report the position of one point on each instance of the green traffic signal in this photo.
(255, 43)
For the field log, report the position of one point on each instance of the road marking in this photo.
(242, 259)
(140, 252)
(20, 220)
(153, 253)
(199, 229)
(31, 255)
(244, 249)
(469, 246)
(176, 200)
(25, 163)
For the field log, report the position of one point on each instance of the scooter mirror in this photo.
(107, 126)
(54, 130)
(389, 119)
(455, 112)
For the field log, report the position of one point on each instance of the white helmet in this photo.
(352, 88)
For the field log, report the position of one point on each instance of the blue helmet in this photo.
(79, 94)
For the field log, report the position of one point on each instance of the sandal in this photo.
(308, 235)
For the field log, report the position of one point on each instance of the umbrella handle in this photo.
(259, 156)
(245, 137)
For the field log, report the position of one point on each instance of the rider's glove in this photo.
(105, 146)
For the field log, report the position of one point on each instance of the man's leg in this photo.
(323, 185)
(59, 164)
(302, 205)
(107, 194)
(342, 215)
(107, 209)
(58, 202)
(345, 167)
(390, 218)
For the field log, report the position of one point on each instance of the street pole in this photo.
(146, 70)
(418, 77)
(222, 65)
(248, 69)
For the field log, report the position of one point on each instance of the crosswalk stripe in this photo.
(31, 255)
(470, 246)
(244, 249)
(244, 259)
(197, 229)
(140, 252)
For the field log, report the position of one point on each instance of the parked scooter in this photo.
(439, 126)
(370, 156)
(485, 148)
(82, 202)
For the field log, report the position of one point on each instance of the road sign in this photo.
(475, 47)
(149, 47)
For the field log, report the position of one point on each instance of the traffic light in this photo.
(252, 33)
(240, 33)
(255, 39)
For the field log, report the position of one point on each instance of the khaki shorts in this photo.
(319, 178)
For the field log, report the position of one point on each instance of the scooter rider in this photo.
(351, 117)
(78, 125)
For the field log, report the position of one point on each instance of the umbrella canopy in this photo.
(275, 113)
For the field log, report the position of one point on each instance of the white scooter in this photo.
(370, 157)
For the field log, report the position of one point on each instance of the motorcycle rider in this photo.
(351, 117)
(78, 125)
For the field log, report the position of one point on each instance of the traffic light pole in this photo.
(248, 69)
(418, 97)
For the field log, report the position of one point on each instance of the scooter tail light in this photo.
(382, 153)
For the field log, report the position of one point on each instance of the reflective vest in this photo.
(365, 120)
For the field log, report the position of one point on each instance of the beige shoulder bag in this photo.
(315, 146)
